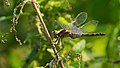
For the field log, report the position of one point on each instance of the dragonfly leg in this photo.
(58, 41)
(62, 45)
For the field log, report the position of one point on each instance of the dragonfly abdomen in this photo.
(86, 34)
(92, 34)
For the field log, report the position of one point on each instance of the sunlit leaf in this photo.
(87, 56)
(79, 46)
(51, 51)
(62, 22)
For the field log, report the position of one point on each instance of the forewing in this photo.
(89, 26)
(62, 22)
(74, 29)
(80, 19)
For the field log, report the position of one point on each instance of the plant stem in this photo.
(46, 31)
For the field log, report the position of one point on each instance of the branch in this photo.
(46, 31)
(15, 19)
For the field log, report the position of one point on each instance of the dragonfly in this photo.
(77, 28)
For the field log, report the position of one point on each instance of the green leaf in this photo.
(51, 51)
(63, 20)
(79, 46)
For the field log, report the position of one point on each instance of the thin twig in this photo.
(46, 31)
(15, 19)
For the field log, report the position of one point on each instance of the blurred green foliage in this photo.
(36, 51)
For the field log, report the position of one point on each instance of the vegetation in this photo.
(25, 42)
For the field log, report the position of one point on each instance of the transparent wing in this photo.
(74, 29)
(80, 19)
(62, 22)
(89, 26)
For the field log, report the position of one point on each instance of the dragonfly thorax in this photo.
(61, 33)
(55, 34)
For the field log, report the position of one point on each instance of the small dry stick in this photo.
(46, 31)
(15, 19)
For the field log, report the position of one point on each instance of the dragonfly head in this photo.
(55, 34)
